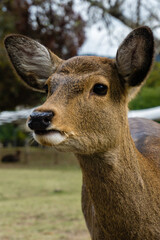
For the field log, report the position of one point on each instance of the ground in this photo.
(40, 197)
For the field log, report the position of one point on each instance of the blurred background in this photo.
(40, 188)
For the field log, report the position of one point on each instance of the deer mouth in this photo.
(51, 137)
(44, 132)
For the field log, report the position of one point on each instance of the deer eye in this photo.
(100, 89)
(45, 87)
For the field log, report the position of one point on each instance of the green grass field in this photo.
(40, 197)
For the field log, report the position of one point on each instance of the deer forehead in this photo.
(74, 74)
(84, 64)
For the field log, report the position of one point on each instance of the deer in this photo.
(11, 158)
(86, 112)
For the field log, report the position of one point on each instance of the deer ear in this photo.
(135, 55)
(33, 62)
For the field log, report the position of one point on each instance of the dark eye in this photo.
(100, 89)
(45, 87)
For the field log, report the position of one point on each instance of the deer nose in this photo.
(40, 120)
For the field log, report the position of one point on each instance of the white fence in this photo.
(22, 115)
(150, 113)
(14, 116)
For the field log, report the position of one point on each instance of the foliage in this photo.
(154, 77)
(54, 23)
(11, 134)
(149, 96)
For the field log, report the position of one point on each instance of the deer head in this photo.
(87, 97)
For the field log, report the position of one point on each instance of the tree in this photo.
(130, 13)
(53, 23)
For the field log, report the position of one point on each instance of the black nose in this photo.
(40, 120)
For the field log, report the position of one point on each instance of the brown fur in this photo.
(121, 187)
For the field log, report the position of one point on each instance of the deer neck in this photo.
(114, 186)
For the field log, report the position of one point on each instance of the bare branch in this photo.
(138, 10)
(114, 11)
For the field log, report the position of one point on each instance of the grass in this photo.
(40, 198)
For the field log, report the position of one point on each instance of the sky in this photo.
(99, 42)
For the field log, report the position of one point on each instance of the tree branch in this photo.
(115, 11)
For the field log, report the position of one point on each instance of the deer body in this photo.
(86, 113)
(117, 203)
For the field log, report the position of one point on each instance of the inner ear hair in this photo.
(33, 62)
(135, 56)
